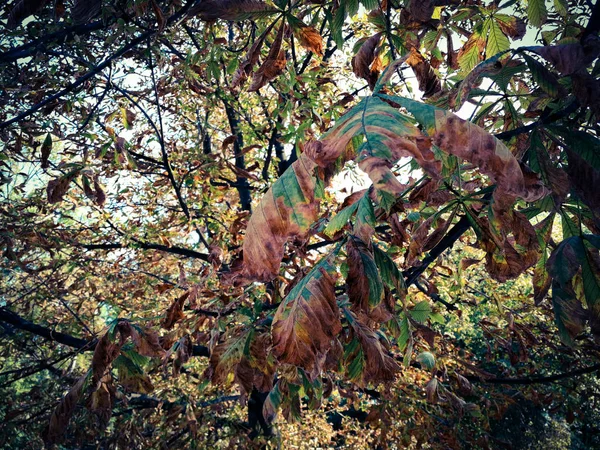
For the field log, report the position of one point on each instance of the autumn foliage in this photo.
(262, 224)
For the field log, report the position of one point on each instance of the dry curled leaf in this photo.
(429, 83)
(309, 38)
(364, 58)
(61, 415)
(273, 66)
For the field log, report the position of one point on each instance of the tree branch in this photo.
(18, 322)
(147, 246)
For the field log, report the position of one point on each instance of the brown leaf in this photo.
(508, 256)
(104, 354)
(468, 262)
(431, 390)
(418, 239)
(215, 255)
(307, 321)
(421, 10)
(363, 279)
(585, 180)
(133, 380)
(401, 236)
(429, 83)
(273, 66)
(228, 141)
(514, 28)
(101, 400)
(55, 432)
(100, 195)
(23, 9)
(182, 355)
(586, 88)
(85, 10)
(568, 58)
(147, 343)
(468, 141)
(361, 62)
(379, 366)
(247, 65)
(236, 10)
(58, 187)
(175, 312)
(274, 221)
(309, 38)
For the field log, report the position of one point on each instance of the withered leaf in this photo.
(470, 142)
(421, 10)
(104, 354)
(567, 58)
(101, 400)
(160, 16)
(429, 83)
(379, 365)
(236, 10)
(309, 38)
(247, 65)
(273, 66)
(362, 61)
(307, 321)
(365, 287)
(175, 312)
(61, 415)
(58, 187)
(288, 209)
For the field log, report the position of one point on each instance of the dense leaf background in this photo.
(299, 224)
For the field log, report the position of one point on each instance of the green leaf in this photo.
(427, 360)
(545, 79)
(421, 311)
(496, 40)
(340, 219)
(561, 7)
(537, 12)
(390, 274)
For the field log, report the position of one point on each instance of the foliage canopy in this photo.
(192, 256)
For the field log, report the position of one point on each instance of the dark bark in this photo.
(243, 187)
(256, 420)
(18, 322)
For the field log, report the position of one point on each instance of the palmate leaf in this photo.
(496, 40)
(472, 143)
(307, 320)
(387, 136)
(291, 205)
